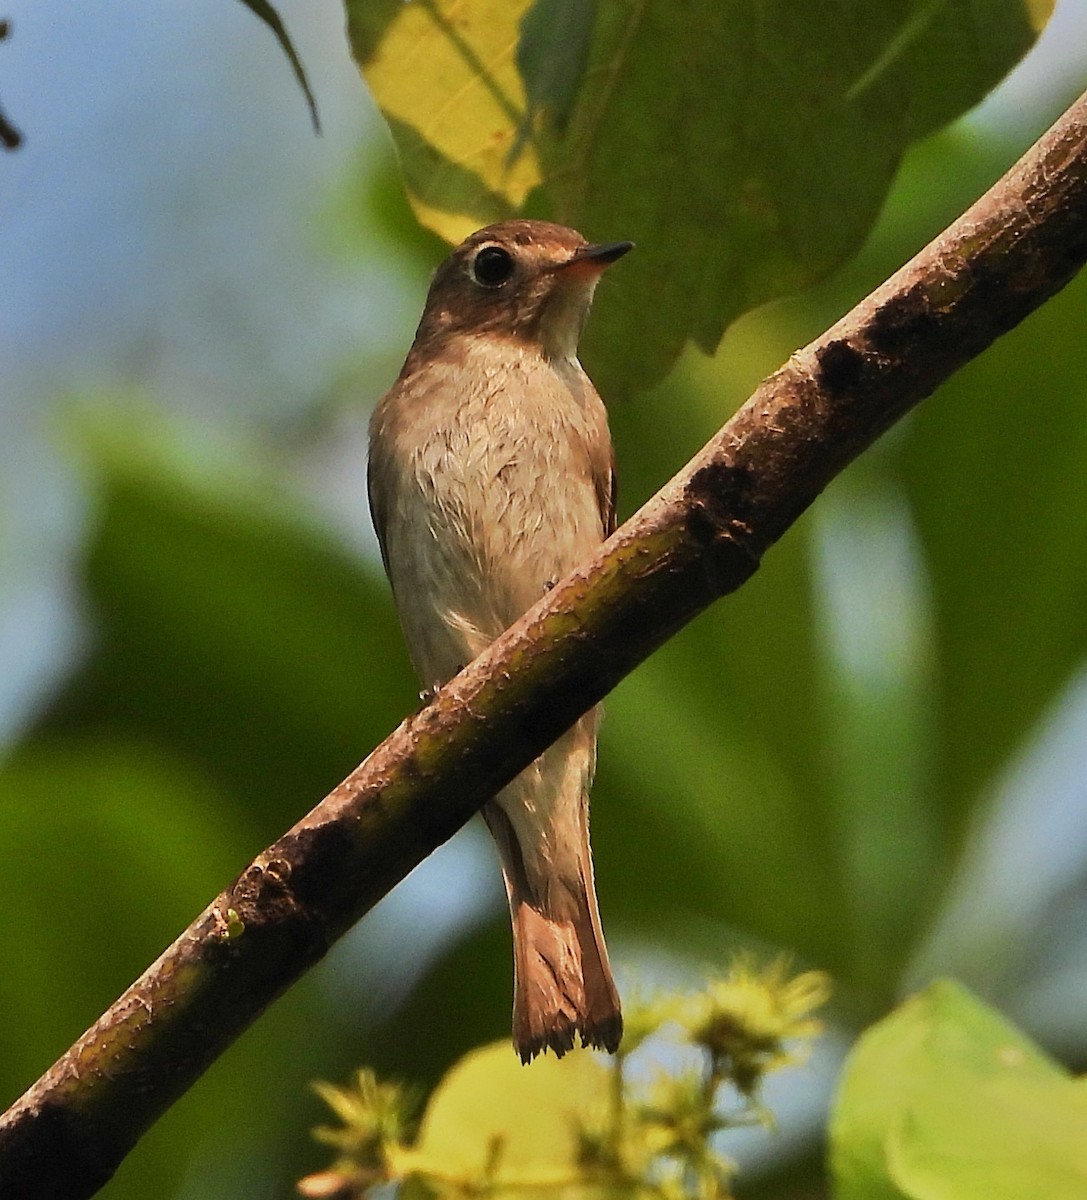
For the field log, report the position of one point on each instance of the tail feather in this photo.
(563, 987)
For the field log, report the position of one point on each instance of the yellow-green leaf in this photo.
(445, 74)
(945, 1100)
(493, 1119)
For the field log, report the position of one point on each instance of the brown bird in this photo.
(491, 477)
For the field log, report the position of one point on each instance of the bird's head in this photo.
(531, 281)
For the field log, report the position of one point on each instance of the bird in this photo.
(491, 476)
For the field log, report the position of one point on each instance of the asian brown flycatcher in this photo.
(491, 477)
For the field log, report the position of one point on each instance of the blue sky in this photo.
(163, 231)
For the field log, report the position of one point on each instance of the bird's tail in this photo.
(563, 986)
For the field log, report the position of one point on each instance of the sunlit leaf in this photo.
(493, 1119)
(446, 78)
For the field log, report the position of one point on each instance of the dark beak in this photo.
(602, 254)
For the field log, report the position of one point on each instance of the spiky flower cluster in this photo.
(621, 1131)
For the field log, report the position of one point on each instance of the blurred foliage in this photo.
(806, 767)
(584, 1126)
(747, 150)
(976, 1111)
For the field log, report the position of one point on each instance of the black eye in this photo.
(492, 266)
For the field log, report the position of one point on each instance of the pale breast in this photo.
(490, 470)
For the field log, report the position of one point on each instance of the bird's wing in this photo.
(606, 483)
(380, 483)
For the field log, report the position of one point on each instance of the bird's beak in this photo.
(594, 259)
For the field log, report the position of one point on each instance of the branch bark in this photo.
(699, 538)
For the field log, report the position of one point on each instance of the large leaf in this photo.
(945, 1100)
(995, 470)
(229, 627)
(515, 1127)
(712, 785)
(746, 149)
(107, 850)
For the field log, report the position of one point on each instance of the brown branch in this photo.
(701, 537)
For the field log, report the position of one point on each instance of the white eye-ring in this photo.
(492, 266)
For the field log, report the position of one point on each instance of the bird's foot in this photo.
(428, 693)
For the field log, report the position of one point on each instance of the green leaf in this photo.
(994, 469)
(746, 149)
(945, 1100)
(107, 850)
(272, 19)
(228, 626)
(492, 1118)
(706, 786)
(712, 779)
(552, 55)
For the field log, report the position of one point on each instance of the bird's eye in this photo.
(492, 266)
